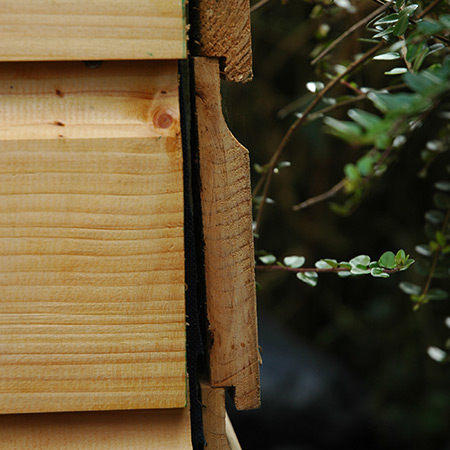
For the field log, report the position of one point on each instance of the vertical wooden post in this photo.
(229, 254)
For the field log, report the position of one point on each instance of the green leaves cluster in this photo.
(399, 113)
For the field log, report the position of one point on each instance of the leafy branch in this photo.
(266, 179)
(387, 264)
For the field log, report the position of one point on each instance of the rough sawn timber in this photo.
(43, 30)
(229, 255)
(92, 313)
(222, 30)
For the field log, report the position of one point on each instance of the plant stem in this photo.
(435, 258)
(351, 30)
(311, 269)
(321, 197)
(428, 9)
(258, 5)
(265, 180)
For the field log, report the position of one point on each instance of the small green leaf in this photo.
(400, 257)
(408, 10)
(396, 71)
(423, 250)
(434, 216)
(402, 103)
(345, 130)
(365, 165)
(360, 270)
(260, 169)
(440, 238)
(429, 27)
(434, 246)
(267, 259)
(443, 185)
(387, 260)
(294, 261)
(378, 273)
(410, 288)
(436, 354)
(409, 262)
(437, 294)
(418, 61)
(363, 118)
(383, 33)
(344, 274)
(331, 262)
(352, 172)
(309, 278)
(388, 56)
(321, 264)
(361, 260)
(283, 164)
(391, 18)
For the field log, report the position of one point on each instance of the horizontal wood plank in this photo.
(92, 312)
(118, 430)
(43, 30)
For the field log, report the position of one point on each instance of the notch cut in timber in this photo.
(221, 29)
(229, 254)
(92, 313)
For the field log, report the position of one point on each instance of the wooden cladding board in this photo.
(157, 429)
(229, 254)
(92, 312)
(44, 30)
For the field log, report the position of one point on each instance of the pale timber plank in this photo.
(214, 413)
(118, 430)
(92, 312)
(42, 30)
(229, 254)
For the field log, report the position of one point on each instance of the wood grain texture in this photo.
(214, 413)
(42, 30)
(118, 430)
(222, 30)
(229, 254)
(92, 312)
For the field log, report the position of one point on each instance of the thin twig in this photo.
(383, 158)
(351, 30)
(321, 197)
(258, 5)
(435, 258)
(311, 269)
(286, 138)
(428, 9)
(349, 101)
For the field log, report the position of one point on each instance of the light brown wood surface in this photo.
(229, 254)
(92, 312)
(43, 30)
(110, 430)
(222, 30)
(213, 402)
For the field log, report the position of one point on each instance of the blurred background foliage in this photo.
(367, 325)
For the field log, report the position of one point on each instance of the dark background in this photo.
(345, 364)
